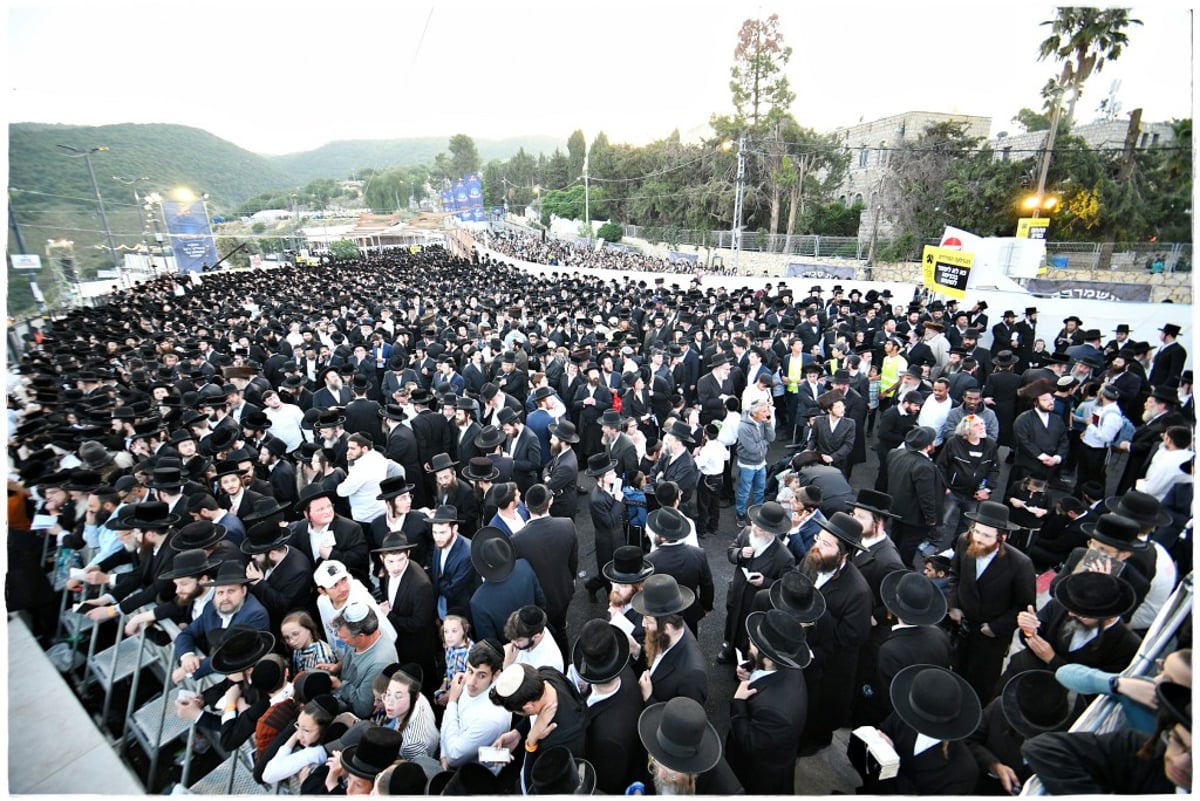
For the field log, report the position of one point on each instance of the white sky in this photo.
(276, 78)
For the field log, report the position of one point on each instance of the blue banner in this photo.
(1089, 290)
(827, 271)
(675, 255)
(191, 235)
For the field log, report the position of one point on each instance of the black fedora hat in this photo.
(492, 554)
(189, 564)
(541, 393)
(229, 467)
(874, 501)
(242, 647)
(311, 493)
(780, 637)
(200, 534)
(680, 431)
(936, 702)
(1176, 700)
(599, 463)
(231, 572)
(507, 415)
(601, 652)
(1033, 703)
(1140, 507)
(82, 480)
(611, 418)
(393, 411)
(378, 748)
(628, 566)
(845, 528)
(795, 593)
(661, 595)
(1117, 531)
(678, 735)
(263, 509)
(394, 541)
(565, 431)
(391, 487)
(480, 468)
(439, 462)
(444, 514)
(1095, 595)
(668, 522)
(771, 516)
(489, 437)
(145, 515)
(912, 598)
(992, 513)
(265, 536)
(559, 772)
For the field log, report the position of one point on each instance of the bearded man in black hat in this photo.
(231, 604)
(280, 576)
(759, 558)
(600, 658)
(1160, 412)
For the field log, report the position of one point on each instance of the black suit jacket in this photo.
(917, 488)
(527, 459)
(764, 733)
(681, 671)
(350, 546)
(609, 726)
(688, 565)
(625, 452)
(289, 587)
(413, 614)
(362, 417)
(875, 563)
(551, 546)
(1005, 588)
(1111, 650)
(911, 645)
(561, 477)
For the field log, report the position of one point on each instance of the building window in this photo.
(1142, 141)
(1153, 140)
(883, 154)
(858, 198)
(842, 200)
(863, 157)
(1005, 153)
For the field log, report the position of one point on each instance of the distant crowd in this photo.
(550, 250)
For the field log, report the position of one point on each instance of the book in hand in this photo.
(1098, 561)
(879, 752)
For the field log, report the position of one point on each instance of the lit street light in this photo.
(86, 155)
(1040, 203)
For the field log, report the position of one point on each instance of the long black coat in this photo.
(739, 598)
(413, 614)
(1111, 650)
(1005, 588)
(928, 773)
(682, 671)
(917, 488)
(610, 724)
(835, 641)
(764, 733)
(561, 477)
(688, 565)
(1001, 387)
(856, 410)
(289, 587)
(551, 546)
(910, 645)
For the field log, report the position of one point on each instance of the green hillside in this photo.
(339, 159)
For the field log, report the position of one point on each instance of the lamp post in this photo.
(736, 232)
(86, 155)
(1040, 202)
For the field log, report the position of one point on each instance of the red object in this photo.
(952, 242)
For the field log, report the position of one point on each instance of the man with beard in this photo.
(281, 472)
(1040, 438)
(561, 473)
(676, 463)
(451, 571)
(894, 425)
(1160, 412)
(400, 445)
(331, 433)
(332, 392)
(450, 490)
(759, 559)
(855, 410)
(677, 665)
(142, 530)
(588, 405)
(840, 633)
(832, 434)
(617, 444)
(280, 576)
(990, 583)
(231, 604)
(523, 447)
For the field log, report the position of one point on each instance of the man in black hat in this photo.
(332, 392)
(686, 563)
(143, 530)
(685, 750)
(991, 582)
(453, 576)
(551, 545)
(600, 657)
(677, 463)
(280, 576)
(231, 604)
(323, 534)
(433, 432)
(770, 705)
(508, 583)
(840, 633)
(894, 424)
(1040, 437)
(759, 558)
(916, 607)
(362, 413)
(561, 473)
(1169, 360)
(677, 665)
(918, 491)
(400, 445)
(523, 448)
(1160, 412)
(408, 601)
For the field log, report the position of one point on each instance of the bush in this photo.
(344, 249)
(610, 232)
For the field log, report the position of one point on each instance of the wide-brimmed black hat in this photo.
(795, 593)
(393, 411)
(992, 513)
(678, 734)
(1140, 507)
(936, 702)
(628, 566)
(311, 493)
(559, 772)
(265, 536)
(1095, 595)
(242, 647)
(611, 418)
(770, 516)
(444, 514)
(564, 430)
(599, 463)
(480, 468)
(256, 421)
(912, 598)
(1118, 531)
(200, 534)
(391, 487)
(439, 462)
(378, 748)
(780, 637)
(1176, 700)
(874, 501)
(145, 515)
(189, 564)
(167, 478)
(661, 595)
(1033, 703)
(489, 437)
(845, 528)
(668, 523)
(680, 431)
(263, 509)
(601, 651)
(394, 541)
(492, 554)
(231, 572)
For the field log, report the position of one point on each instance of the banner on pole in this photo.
(191, 235)
(946, 270)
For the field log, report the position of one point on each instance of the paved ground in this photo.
(824, 773)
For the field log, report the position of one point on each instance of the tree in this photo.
(344, 249)
(1083, 39)
(759, 84)
(1032, 121)
(610, 232)
(464, 158)
(576, 151)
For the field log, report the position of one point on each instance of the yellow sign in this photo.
(1032, 227)
(946, 271)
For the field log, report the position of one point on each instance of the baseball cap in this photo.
(330, 572)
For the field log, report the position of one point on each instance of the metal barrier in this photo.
(1104, 714)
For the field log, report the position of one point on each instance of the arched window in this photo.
(858, 198)
(863, 157)
(883, 153)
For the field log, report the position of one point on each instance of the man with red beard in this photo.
(990, 583)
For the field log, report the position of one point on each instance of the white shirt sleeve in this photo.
(287, 763)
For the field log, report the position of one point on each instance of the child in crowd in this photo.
(456, 639)
(301, 635)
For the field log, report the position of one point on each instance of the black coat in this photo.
(401, 447)
(910, 645)
(917, 488)
(413, 614)
(764, 733)
(875, 563)
(1001, 387)
(462, 497)
(1031, 437)
(350, 546)
(928, 773)
(996, 741)
(1111, 650)
(772, 563)
(289, 587)
(683, 471)
(688, 565)
(681, 671)
(1083, 763)
(618, 756)
(527, 459)
(624, 452)
(561, 477)
(1005, 588)
(362, 417)
(551, 546)
(835, 641)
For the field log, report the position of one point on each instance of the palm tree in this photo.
(1084, 39)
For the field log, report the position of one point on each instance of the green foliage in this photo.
(1083, 40)
(759, 85)
(464, 158)
(1031, 120)
(831, 218)
(344, 249)
(610, 232)
(258, 227)
(569, 203)
(576, 150)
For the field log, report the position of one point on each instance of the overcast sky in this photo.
(284, 77)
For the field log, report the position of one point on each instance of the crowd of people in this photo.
(356, 488)
(551, 250)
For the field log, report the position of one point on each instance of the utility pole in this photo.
(16, 229)
(1055, 114)
(86, 155)
(737, 201)
(587, 210)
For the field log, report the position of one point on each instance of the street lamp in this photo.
(86, 155)
(737, 196)
(1039, 203)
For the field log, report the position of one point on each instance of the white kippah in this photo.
(356, 611)
(510, 680)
